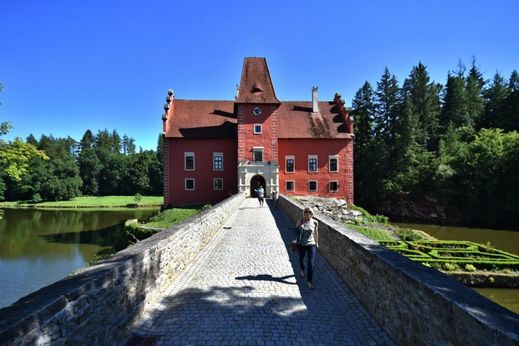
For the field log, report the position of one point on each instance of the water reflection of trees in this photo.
(50, 233)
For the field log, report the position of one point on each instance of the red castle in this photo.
(213, 149)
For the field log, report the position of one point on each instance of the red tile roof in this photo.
(216, 119)
(255, 84)
(296, 120)
(201, 119)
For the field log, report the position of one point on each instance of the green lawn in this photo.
(92, 202)
(169, 217)
(372, 232)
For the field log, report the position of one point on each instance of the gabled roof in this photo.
(201, 119)
(296, 120)
(216, 119)
(255, 84)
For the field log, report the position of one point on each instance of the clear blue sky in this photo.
(72, 65)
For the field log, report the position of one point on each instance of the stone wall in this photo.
(416, 305)
(94, 306)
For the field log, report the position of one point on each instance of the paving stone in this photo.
(242, 290)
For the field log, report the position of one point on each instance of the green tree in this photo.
(455, 110)
(156, 172)
(424, 97)
(128, 145)
(89, 164)
(89, 169)
(474, 88)
(495, 97)
(509, 115)
(363, 113)
(387, 109)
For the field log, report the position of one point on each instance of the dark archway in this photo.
(254, 185)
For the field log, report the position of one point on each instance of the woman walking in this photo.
(308, 241)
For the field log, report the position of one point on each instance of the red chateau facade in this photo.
(213, 149)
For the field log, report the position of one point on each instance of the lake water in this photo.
(39, 247)
(500, 239)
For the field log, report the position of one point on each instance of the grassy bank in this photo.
(162, 220)
(91, 202)
(169, 217)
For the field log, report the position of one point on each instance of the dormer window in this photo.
(256, 88)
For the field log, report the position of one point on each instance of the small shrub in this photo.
(450, 266)
(36, 198)
(137, 197)
(470, 268)
(409, 235)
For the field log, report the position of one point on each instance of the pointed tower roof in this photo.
(255, 84)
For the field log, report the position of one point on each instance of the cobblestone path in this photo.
(242, 290)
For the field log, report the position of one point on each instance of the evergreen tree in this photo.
(128, 145)
(386, 108)
(455, 110)
(87, 141)
(495, 97)
(474, 87)
(89, 169)
(510, 111)
(115, 142)
(363, 113)
(32, 140)
(424, 96)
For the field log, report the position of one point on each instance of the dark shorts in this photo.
(260, 199)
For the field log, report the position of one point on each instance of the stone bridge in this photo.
(225, 277)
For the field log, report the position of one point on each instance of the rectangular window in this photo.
(312, 163)
(257, 129)
(189, 161)
(289, 185)
(312, 185)
(333, 163)
(217, 184)
(333, 186)
(289, 164)
(189, 184)
(217, 161)
(257, 154)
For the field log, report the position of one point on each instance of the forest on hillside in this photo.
(451, 150)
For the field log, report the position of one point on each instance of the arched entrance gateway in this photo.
(254, 185)
(249, 173)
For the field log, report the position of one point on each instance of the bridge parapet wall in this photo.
(94, 306)
(416, 305)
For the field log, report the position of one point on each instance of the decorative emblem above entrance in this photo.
(257, 111)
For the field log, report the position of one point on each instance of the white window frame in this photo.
(186, 155)
(316, 185)
(214, 184)
(185, 184)
(260, 129)
(330, 158)
(288, 157)
(255, 149)
(214, 166)
(329, 185)
(316, 163)
(293, 185)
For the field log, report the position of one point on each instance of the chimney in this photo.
(315, 106)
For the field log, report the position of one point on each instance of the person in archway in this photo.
(260, 192)
(308, 241)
